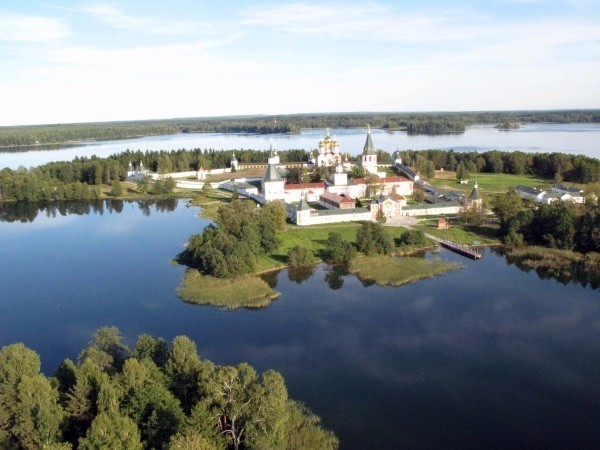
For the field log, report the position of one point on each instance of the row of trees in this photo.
(429, 123)
(559, 225)
(78, 179)
(242, 234)
(35, 185)
(158, 396)
(557, 166)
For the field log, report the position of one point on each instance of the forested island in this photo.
(413, 123)
(158, 395)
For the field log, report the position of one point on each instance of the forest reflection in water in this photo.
(564, 266)
(25, 212)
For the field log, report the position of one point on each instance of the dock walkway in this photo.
(465, 250)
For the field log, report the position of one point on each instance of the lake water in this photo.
(565, 138)
(488, 356)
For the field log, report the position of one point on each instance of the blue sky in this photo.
(80, 61)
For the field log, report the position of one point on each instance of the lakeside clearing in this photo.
(313, 238)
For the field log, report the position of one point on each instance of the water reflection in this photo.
(334, 276)
(486, 357)
(585, 271)
(300, 274)
(271, 278)
(27, 212)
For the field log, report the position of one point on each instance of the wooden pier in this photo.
(465, 250)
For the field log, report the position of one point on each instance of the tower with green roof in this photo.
(475, 195)
(368, 159)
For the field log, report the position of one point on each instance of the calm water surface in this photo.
(485, 357)
(566, 138)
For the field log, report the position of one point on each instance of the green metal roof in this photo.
(475, 195)
(369, 148)
(303, 205)
(431, 206)
(272, 174)
(339, 212)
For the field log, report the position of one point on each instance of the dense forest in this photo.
(81, 178)
(156, 396)
(414, 123)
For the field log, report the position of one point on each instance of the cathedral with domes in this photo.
(328, 152)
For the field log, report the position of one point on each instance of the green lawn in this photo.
(313, 238)
(461, 233)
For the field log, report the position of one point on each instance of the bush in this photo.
(299, 256)
(116, 189)
(338, 249)
(412, 238)
(372, 239)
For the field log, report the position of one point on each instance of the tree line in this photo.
(156, 396)
(559, 225)
(554, 166)
(415, 123)
(81, 178)
(63, 133)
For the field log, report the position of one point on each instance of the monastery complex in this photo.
(335, 199)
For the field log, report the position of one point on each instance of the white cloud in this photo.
(115, 17)
(27, 28)
(422, 60)
(364, 22)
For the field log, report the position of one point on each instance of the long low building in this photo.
(433, 209)
(305, 215)
(558, 192)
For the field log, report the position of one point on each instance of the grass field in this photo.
(313, 238)
(489, 183)
(246, 173)
(388, 271)
(461, 233)
(247, 291)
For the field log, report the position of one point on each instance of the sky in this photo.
(83, 61)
